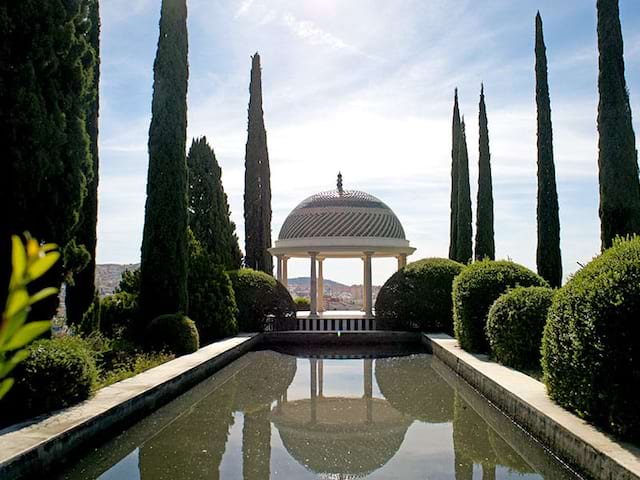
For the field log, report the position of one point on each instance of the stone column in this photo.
(320, 376)
(285, 272)
(320, 286)
(279, 268)
(314, 387)
(402, 260)
(313, 287)
(368, 387)
(368, 290)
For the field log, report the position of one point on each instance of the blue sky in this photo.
(366, 87)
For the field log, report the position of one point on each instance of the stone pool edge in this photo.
(36, 448)
(525, 401)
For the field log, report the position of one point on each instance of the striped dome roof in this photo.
(342, 213)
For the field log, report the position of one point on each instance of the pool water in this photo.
(272, 415)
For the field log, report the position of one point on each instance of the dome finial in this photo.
(340, 189)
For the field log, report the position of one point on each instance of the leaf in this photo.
(42, 265)
(42, 294)
(18, 300)
(5, 386)
(47, 247)
(18, 260)
(9, 365)
(27, 333)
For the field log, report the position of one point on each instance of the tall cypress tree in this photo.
(163, 269)
(548, 254)
(209, 215)
(485, 244)
(45, 147)
(455, 148)
(257, 182)
(618, 157)
(464, 233)
(80, 294)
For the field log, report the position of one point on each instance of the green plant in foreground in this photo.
(29, 262)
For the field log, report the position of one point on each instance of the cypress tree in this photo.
(485, 244)
(163, 269)
(81, 292)
(464, 247)
(548, 254)
(455, 141)
(257, 189)
(208, 207)
(618, 157)
(45, 147)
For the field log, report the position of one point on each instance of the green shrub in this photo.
(175, 333)
(212, 303)
(515, 324)
(261, 297)
(474, 291)
(418, 297)
(592, 338)
(58, 372)
(118, 313)
(302, 304)
(130, 282)
(91, 318)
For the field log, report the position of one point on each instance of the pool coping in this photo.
(525, 401)
(31, 451)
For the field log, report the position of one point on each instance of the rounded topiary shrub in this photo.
(474, 291)
(212, 302)
(58, 372)
(118, 313)
(262, 299)
(515, 324)
(175, 333)
(591, 342)
(418, 297)
(302, 304)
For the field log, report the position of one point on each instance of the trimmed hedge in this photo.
(118, 314)
(474, 291)
(418, 297)
(175, 333)
(58, 373)
(259, 297)
(302, 304)
(591, 342)
(515, 324)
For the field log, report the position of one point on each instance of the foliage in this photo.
(475, 290)
(259, 296)
(91, 318)
(485, 243)
(59, 372)
(418, 297)
(548, 255)
(257, 180)
(173, 332)
(79, 295)
(455, 148)
(515, 324)
(44, 86)
(303, 304)
(132, 365)
(208, 207)
(212, 303)
(464, 247)
(29, 261)
(617, 154)
(129, 282)
(118, 314)
(592, 339)
(164, 262)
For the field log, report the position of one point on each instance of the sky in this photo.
(365, 87)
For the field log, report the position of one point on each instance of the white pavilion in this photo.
(339, 224)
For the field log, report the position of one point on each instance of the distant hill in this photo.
(304, 282)
(108, 276)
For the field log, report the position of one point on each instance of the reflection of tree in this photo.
(412, 387)
(475, 442)
(256, 444)
(192, 446)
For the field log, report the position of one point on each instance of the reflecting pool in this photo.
(272, 415)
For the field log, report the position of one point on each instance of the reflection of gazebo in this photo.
(340, 224)
(340, 436)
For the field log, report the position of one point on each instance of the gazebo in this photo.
(339, 224)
